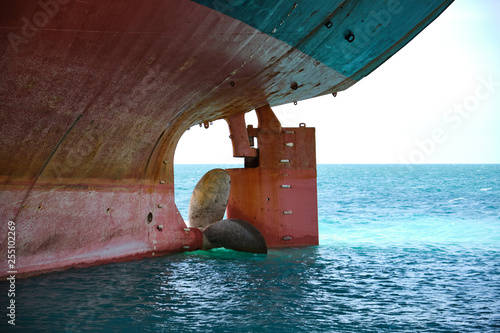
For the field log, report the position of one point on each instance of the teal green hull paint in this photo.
(320, 28)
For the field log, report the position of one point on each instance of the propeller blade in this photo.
(234, 234)
(209, 199)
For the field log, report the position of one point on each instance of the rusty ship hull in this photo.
(95, 95)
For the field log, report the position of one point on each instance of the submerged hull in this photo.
(96, 95)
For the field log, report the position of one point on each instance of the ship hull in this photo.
(96, 95)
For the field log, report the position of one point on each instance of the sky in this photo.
(435, 101)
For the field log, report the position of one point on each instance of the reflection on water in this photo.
(320, 288)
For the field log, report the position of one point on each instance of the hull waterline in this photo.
(94, 97)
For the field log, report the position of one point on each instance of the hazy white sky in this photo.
(435, 101)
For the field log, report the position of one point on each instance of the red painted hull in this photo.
(279, 195)
(94, 98)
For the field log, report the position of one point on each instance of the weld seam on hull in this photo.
(45, 165)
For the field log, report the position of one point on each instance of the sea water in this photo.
(402, 249)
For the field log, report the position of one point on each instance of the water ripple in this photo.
(398, 253)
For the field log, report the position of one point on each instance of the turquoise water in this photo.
(402, 249)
